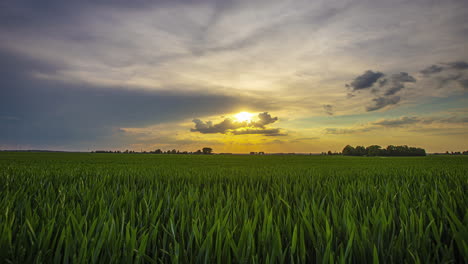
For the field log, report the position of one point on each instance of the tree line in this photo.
(205, 151)
(376, 150)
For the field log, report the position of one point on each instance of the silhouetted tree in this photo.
(360, 151)
(391, 150)
(207, 150)
(348, 151)
(374, 150)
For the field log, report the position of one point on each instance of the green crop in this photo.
(102, 208)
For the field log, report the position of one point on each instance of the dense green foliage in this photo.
(99, 208)
(390, 151)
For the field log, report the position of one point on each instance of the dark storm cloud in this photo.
(238, 128)
(37, 111)
(365, 80)
(381, 102)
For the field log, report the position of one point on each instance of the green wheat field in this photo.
(135, 208)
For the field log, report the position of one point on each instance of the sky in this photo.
(314, 75)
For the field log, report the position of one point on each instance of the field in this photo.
(124, 208)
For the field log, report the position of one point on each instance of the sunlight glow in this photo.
(244, 117)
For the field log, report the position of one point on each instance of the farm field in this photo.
(135, 208)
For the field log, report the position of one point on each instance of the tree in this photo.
(360, 151)
(374, 150)
(348, 150)
(207, 150)
(158, 151)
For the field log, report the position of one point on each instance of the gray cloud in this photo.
(328, 109)
(383, 88)
(365, 80)
(239, 128)
(396, 87)
(411, 120)
(264, 119)
(223, 127)
(458, 65)
(50, 113)
(396, 83)
(404, 121)
(464, 83)
(449, 73)
(381, 102)
(403, 77)
(397, 122)
(432, 69)
(455, 65)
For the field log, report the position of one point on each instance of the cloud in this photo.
(455, 65)
(381, 102)
(410, 123)
(396, 83)
(458, 65)
(266, 132)
(342, 131)
(229, 126)
(411, 120)
(450, 120)
(403, 77)
(397, 122)
(55, 113)
(365, 80)
(328, 109)
(463, 83)
(383, 88)
(223, 127)
(447, 74)
(432, 69)
(264, 119)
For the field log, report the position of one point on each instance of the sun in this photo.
(244, 117)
